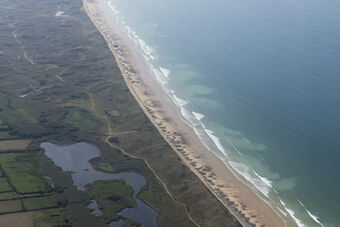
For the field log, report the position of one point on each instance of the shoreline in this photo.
(237, 197)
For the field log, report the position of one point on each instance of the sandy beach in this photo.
(247, 207)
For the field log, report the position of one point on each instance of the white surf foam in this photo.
(315, 218)
(216, 140)
(146, 48)
(188, 117)
(132, 35)
(179, 102)
(292, 214)
(113, 8)
(265, 180)
(198, 116)
(268, 182)
(210, 133)
(283, 212)
(165, 71)
(245, 171)
(159, 75)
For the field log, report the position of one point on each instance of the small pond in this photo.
(75, 159)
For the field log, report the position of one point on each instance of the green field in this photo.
(4, 186)
(80, 118)
(10, 206)
(23, 172)
(40, 202)
(13, 113)
(9, 195)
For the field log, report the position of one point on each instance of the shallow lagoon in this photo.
(75, 159)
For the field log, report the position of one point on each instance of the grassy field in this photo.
(49, 67)
(9, 195)
(40, 202)
(80, 118)
(13, 113)
(23, 172)
(10, 206)
(4, 185)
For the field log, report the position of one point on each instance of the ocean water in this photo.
(260, 83)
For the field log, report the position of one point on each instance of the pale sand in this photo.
(246, 206)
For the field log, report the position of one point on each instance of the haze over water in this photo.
(260, 83)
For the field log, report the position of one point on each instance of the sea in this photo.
(259, 81)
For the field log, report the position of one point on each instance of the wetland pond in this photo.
(75, 159)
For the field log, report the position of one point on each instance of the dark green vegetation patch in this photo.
(112, 196)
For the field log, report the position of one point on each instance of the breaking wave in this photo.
(292, 214)
(315, 218)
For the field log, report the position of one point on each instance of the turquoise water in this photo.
(259, 81)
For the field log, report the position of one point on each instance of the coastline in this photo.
(240, 200)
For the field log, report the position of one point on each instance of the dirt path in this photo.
(107, 140)
(59, 77)
(23, 48)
